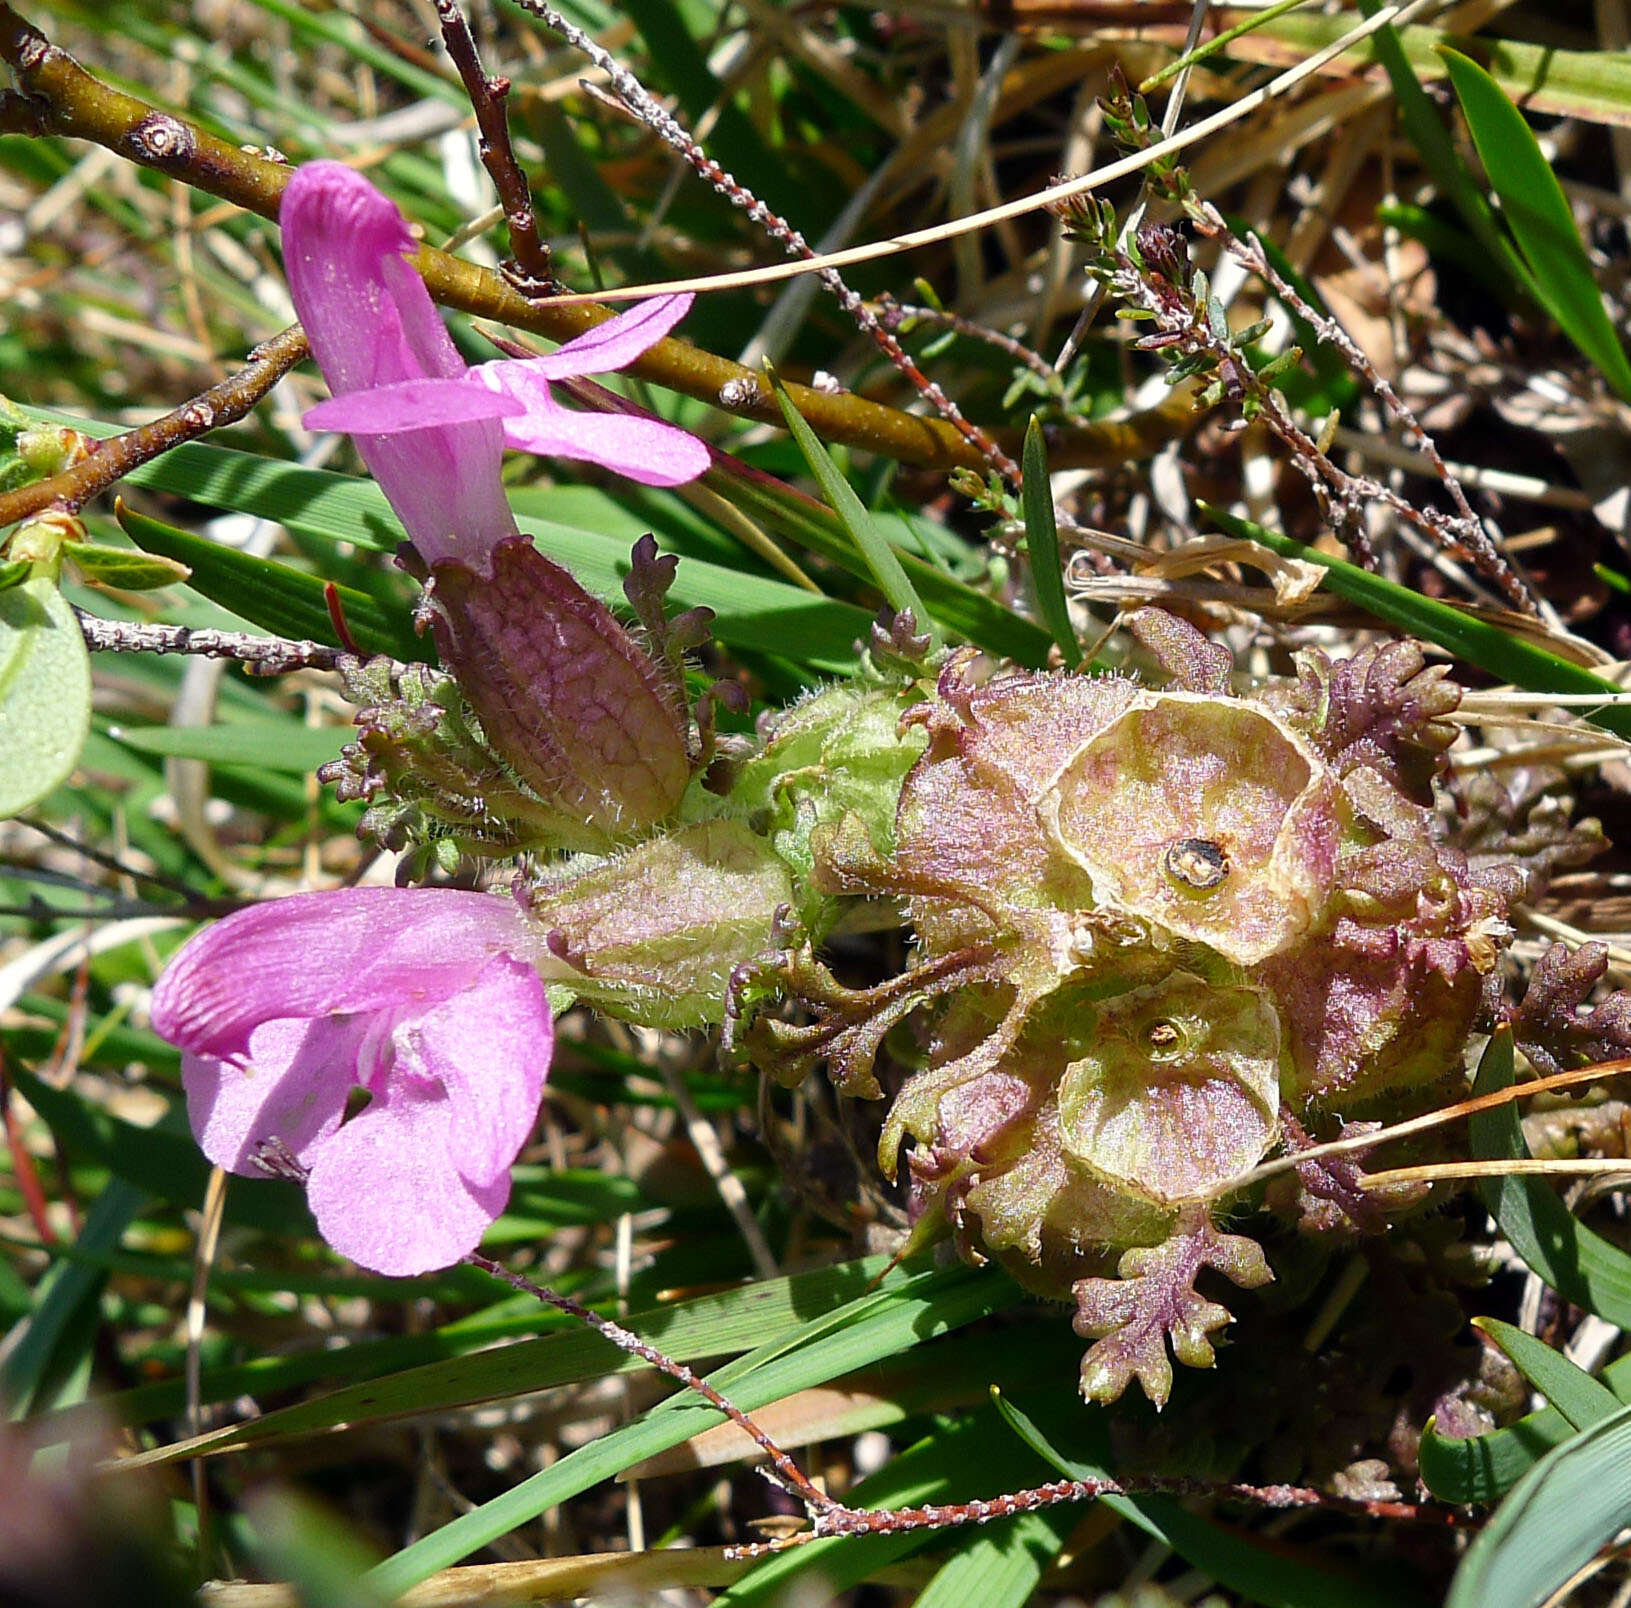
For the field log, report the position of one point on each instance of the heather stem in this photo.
(789, 1476)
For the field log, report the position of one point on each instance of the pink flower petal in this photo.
(411, 405)
(292, 1085)
(372, 324)
(617, 342)
(367, 325)
(646, 450)
(387, 1192)
(489, 1047)
(317, 954)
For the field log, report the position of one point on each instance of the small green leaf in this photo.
(14, 571)
(45, 692)
(1042, 543)
(1538, 213)
(886, 566)
(1581, 1399)
(127, 569)
(1564, 1511)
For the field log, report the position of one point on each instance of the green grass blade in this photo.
(1483, 1468)
(1042, 544)
(1568, 1507)
(1506, 657)
(62, 1327)
(1428, 134)
(1000, 1567)
(1272, 1576)
(280, 745)
(962, 610)
(732, 1321)
(1581, 1266)
(891, 1320)
(275, 596)
(749, 610)
(1539, 216)
(1581, 1399)
(880, 556)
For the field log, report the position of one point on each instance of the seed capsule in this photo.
(1196, 863)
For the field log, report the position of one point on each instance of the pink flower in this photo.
(431, 428)
(416, 996)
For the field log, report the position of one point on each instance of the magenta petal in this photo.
(647, 450)
(411, 405)
(617, 342)
(292, 1086)
(386, 1190)
(315, 954)
(489, 1046)
(372, 324)
(367, 325)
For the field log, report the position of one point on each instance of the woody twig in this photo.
(54, 95)
(110, 461)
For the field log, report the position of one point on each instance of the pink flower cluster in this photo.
(388, 1045)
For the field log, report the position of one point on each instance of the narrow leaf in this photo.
(1539, 216)
(1042, 543)
(890, 1320)
(1581, 1399)
(1504, 656)
(1564, 1511)
(1581, 1266)
(886, 566)
(1425, 126)
(277, 745)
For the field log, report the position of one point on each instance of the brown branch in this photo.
(112, 460)
(532, 271)
(55, 95)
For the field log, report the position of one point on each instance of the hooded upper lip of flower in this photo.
(430, 427)
(420, 996)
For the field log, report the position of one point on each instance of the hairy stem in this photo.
(270, 656)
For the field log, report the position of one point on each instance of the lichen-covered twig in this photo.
(55, 95)
(270, 656)
(110, 461)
